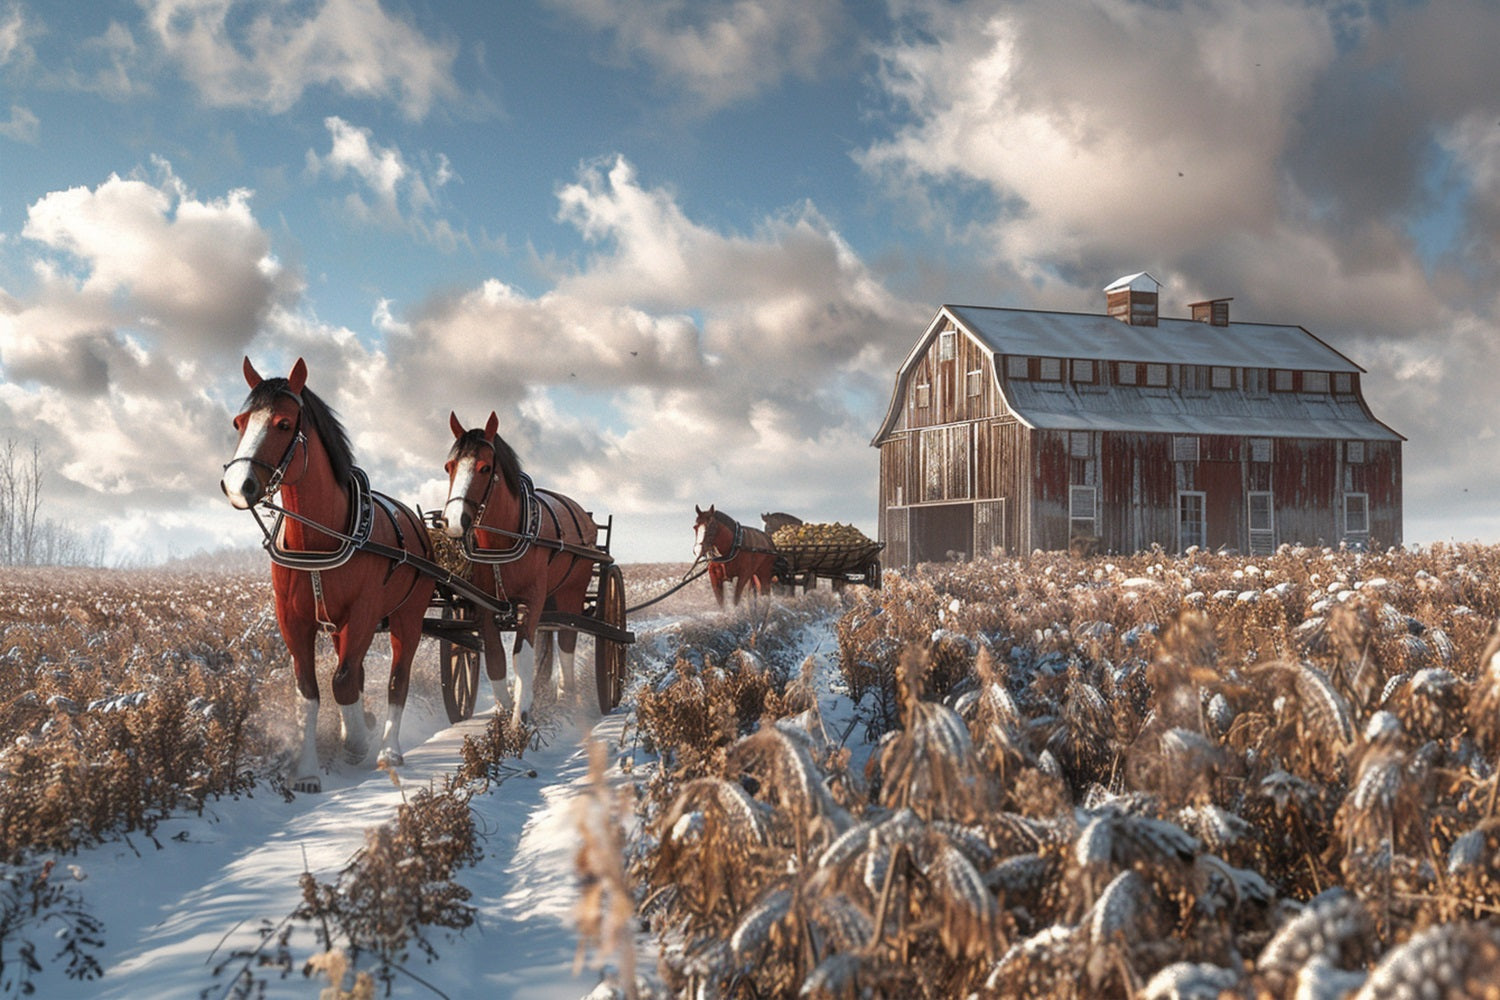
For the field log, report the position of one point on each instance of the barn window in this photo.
(1083, 370)
(1354, 452)
(947, 345)
(1262, 523)
(924, 395)
(1016, 367)
(1191, 527)
(1343, 383)
(1282, 380)
(1255, 381)
(1156, 375)
(974, 383)
(1314, 381)
(1126, 373)
(989, 527)
(1081, 511)
(1223, 378)
(1192, 378)
(1260, 449)
(1185, 448)
(1356, 513)
(1080, 444)
(1051, 370)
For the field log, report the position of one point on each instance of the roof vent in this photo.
(1214, 312)
(1132, 299)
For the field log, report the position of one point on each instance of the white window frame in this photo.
(1156, 375)
(947, 345)
(1050, 370)
(1314, 381)
(1185, 448)
(1262, 536)
(1260, 449)
(1354, 452)
(1127, 373)
(1201, 502)
(1222, 377)
(1083, 508)
(1017, 366)
(1362, 502)
(1080, 444)
(1083, 370)
(1281, 380)
(974, 383)
(922, 397)
(1343, 383)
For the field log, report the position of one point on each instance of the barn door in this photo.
(989, 528)
(897, 553)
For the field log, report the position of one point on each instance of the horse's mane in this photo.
(505, 456)
(320, 417)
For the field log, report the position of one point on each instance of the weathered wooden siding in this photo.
(948, 382)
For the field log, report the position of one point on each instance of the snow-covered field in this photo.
(184, 911)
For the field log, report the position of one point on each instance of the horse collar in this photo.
(361, 524)
(531, 527)
(734, 545)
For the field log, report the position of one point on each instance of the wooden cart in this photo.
(458, 604)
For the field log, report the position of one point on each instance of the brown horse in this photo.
(734, 552)
(323, 577)
(529, 546)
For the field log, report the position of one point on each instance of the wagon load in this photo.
(837, 551)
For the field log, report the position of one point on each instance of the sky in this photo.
(680, 248)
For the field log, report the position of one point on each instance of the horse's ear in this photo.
(458, 428)
(251, 375)
(710, 510)
(491, 426)
(298, 378)
(698, 510)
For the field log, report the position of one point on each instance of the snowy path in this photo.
(175, 907)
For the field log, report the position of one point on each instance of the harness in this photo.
(737, 542)
(531, 527)
(356, 538)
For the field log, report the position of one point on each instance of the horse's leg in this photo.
(525, 657)
(405, 637)
(567, 642)
(301, 643)
(348, 685)
(716, 580)
(739, 587)
(494, 661)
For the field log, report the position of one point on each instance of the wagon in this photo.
(802, 563)
(453, 619)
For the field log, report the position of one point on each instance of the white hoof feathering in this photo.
(390, 741)
(356, 733)
(525, 661)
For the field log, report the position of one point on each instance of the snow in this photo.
(177, 904)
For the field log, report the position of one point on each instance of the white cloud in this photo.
(22, 126)
(15, 33)
(268, 55)
(195, 275)
(398, 194)
(719, 52)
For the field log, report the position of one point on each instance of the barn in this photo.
(1012, 430)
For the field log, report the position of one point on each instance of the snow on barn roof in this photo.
(1036, 333)
(1141, 281)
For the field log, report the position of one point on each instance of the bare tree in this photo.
(25, 538)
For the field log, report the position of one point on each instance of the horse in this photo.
(532, 547)
(776, 521)
(734, 552)
(323, 573)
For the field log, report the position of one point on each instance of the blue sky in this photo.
(681, 247)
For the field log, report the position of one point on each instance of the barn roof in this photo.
(1037, 333)
(1066, 406)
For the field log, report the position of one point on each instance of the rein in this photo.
(357, 537)
(531, 521)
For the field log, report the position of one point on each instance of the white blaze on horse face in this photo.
(458, 489)
(257, 426)
(700, 538)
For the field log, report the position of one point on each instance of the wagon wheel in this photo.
(872, 574)
(609, 656)
(459, 669)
